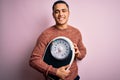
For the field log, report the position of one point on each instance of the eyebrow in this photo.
(60, 9)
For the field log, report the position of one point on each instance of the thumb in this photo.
(65, 67)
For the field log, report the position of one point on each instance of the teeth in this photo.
(61, 19)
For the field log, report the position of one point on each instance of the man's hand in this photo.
(77, 52)
(62, 72)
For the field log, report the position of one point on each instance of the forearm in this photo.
(81, 54)
(40, 65)
(82, 51)
(36, 61)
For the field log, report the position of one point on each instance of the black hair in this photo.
(58, 2)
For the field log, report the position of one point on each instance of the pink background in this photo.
(22, 21)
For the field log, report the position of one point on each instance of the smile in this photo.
(61, 19)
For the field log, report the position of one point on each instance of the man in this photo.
(61, 28)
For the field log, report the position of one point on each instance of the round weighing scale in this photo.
(59, 52)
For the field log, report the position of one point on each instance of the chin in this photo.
(61, 23)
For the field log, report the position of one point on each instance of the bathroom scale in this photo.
(59, 52)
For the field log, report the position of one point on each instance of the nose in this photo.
(61, 13)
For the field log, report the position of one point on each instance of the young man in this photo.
(61, 28)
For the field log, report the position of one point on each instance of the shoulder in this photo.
(76, 32)
(48, 30)
(46, 33)
(74, 29)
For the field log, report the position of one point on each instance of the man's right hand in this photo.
(62, 72)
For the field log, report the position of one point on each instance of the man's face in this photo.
(61, 14)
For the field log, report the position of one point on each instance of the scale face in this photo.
(60, 49)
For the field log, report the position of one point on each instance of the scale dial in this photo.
(60, 49)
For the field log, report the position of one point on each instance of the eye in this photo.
(64, 10)
(56, 11)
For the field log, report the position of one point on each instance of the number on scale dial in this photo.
(60, 49)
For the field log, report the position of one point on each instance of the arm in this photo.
(36, 60)
(80, 50)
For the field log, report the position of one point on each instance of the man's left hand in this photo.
(77, 52)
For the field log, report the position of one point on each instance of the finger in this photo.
(77, 52)
(66, 66)
(75, 45)
(67, 72)
(75, 48)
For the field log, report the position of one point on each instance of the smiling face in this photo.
(61, 14)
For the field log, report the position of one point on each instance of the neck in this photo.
(62, 26)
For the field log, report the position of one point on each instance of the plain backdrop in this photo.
(22, 21)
